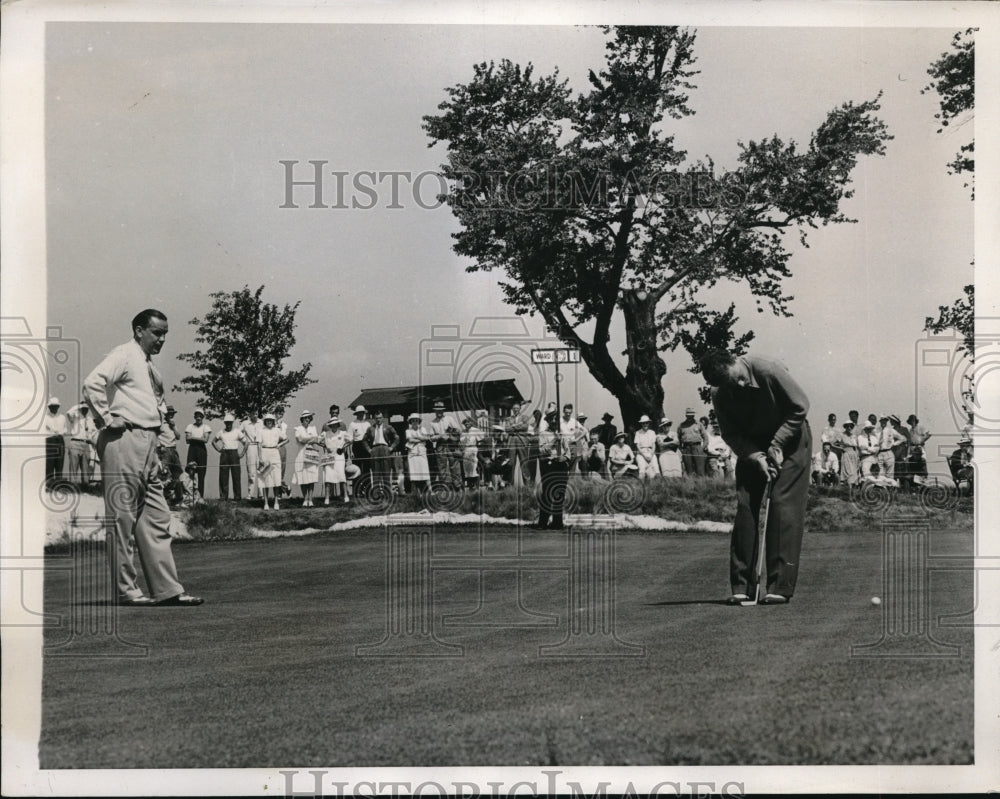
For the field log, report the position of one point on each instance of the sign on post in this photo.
(560, 355)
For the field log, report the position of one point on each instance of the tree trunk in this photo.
(643, 391)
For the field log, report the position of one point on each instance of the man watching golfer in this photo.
(762, 415)
(125, 392)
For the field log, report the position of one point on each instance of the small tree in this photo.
(246, 342)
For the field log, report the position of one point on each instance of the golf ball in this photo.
(876, 600)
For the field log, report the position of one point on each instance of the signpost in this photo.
(556, 356)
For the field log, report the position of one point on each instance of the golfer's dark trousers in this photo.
(552, 492)
(785, 523)
(229, 467)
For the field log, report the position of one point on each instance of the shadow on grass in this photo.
(687, 602)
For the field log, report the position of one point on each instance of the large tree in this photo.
(954, 75)
(588, 208)
(241, 368)
(954, 80)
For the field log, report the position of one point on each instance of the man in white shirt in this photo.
(81, 431)
(356, 430)
(55, 441)
(228, 442)
(826, 466)
(125, 393)
(447, 459)
(868, 446)
(889, 437)
(572, 433)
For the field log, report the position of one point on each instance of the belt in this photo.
(885, 450)
(130, 426)
(79, 439)
(263, 446)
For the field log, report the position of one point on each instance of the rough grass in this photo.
(686, 500)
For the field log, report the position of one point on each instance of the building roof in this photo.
(455, 396)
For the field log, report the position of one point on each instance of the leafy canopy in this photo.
(586, 206)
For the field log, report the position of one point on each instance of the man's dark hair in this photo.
(714, 366)
(143, 318)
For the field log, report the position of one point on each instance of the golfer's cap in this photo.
(965, 440)
(868, 425)
(607, 417)
(619, 435)
(198, 412)
(550, 408)
(895, 419)
(332, 420)
(191, 465)
(644, 418)
(54, 401)
(581, 417)
(911, 418)
(171, 409)
(304, 414)
(848, 424)
(439, 406)
(361, 409)
(270, 416)
(689, 412)
(665, 421)
(413, 416)
(228, 418)
(883, 416)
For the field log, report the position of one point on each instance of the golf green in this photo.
(461, 646)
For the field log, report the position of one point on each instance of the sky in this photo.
(164, 184)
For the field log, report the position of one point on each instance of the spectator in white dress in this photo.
(645, 449)
(308, 458)
(270, 443)
(416, 454)
(668, 450)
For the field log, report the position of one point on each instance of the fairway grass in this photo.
(266, 673)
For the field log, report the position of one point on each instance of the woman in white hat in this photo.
(335, 442)
(416, 454)
(308, 458)
(645, 449)
(271, 440)
(668, 450)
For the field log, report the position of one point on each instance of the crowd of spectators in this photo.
(364, 451)
(884, 451)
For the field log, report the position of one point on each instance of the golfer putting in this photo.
(762, 417)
